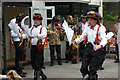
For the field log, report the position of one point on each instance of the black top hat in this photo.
(37, 16)
(19, 17)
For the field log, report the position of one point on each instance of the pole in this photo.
(101, 9)
(1, 63)
(4, 40)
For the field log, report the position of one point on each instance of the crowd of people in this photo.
(87, 44)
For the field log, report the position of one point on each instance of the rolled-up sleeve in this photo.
(13, 34)
(24, 36)
(43, 33)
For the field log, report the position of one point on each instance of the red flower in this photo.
(35, 15)
(22, 16)
(96, 17)
(41, 17)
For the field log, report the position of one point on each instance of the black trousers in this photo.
(67, 45)
(117, 52)
(69, 49)
(81, 49)
(37, 57)
(19, 50)
(91, 60)
(58, 50)
(104, 52)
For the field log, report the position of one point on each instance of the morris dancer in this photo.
(94, 52)
(17, 34)
(37, 41)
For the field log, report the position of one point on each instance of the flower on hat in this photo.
(71, 22)
(81, 15)
(94, 15)
(19, 17)
(90, 12)
(58, 18)
(37, 16)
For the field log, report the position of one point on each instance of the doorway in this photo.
(10, 10)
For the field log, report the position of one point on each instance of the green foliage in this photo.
(109, 16)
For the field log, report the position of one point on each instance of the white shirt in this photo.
(92, 35)
(36, 31)
(15, 37)
(103, 27)
(84, 26)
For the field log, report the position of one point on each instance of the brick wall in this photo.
(109, 25)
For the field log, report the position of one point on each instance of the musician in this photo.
(18, 42)
(69, 50)
(37, 41)
(54, 31)
(94, 52)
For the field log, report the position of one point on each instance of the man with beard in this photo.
(37, 39)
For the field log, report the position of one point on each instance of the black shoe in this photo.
(66, 61)
(22, 75)
(43, 67)
(34, 78)
(94, 77)
(116, 61)
(25, 73)
(51, 64)
(44, 77)
(80, 59)
(60, 63)
(74, 62)
(101, 68)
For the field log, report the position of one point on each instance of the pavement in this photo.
(68, 70)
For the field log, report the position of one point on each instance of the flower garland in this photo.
(71, 22)
(94, 14)
(59, 18)
(19, 17)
